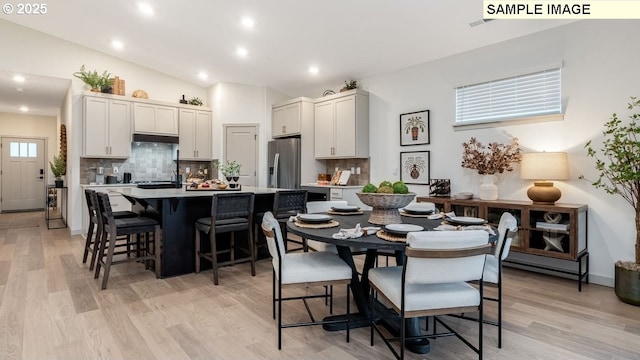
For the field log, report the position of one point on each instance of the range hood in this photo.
(165, 139)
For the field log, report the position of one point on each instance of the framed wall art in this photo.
(414, 167)
(414, 128)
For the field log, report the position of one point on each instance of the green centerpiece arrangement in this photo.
(618, 166)
(385, 200)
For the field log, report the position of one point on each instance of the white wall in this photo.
(33, 52)
(25, 125)
(599, 75)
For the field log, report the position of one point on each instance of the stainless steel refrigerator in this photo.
(284, 163)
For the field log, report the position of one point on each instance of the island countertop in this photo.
(139, 193)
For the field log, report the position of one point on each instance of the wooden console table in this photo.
(565, 240)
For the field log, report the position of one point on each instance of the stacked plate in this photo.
(345, 208)
(314, 218)
(402, 229)
(465, 220)
(419, 208)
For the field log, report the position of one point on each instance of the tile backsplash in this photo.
(148, 162)
(347, 164)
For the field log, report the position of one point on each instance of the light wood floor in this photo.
(52, 308)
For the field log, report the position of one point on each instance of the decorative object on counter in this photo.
(620, 175)
(440, 187)
(97, 82)
(494, 159)
(183, 100)
(414, 167)
(231, 171)
(541, 167)
(140, 94)
(58, 168)
(385, 201)
(195, 101)
(414, 128)
(349, 85)
(328, 92)
(63, 145)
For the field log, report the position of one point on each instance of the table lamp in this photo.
(543, 166)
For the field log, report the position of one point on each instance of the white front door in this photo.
(23, 174)
(241, 145)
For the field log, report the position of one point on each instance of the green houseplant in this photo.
(58, 168)
(231, 171)
(620, 174)
(96, 81)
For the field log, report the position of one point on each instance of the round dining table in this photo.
(360, 284)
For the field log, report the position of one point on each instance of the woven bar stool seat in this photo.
(114, 228)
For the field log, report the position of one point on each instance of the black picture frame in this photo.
(414, 128)
(415, 167)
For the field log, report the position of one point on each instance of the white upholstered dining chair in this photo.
(434, 281)
(316, 268)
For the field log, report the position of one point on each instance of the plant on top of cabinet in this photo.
(96, 81)
(195, 101)
(349, 85)
(621, 175)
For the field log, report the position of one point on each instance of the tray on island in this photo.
(213, 188)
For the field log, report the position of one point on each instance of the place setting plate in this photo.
(418, 209)
(397, 232)
(465, 220)
(345, 210)
(315, 221)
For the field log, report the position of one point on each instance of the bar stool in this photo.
(114, 228)
(95, 223)
(287, 203)
(230, 212)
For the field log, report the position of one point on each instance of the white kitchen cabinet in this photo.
(107, 128)
(342, 125)
(287, 117)
(117, 200)
(195, 134)
(155, 119)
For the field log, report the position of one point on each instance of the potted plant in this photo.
(490, 160)
(231, 171)
(195, 101)
(58, 168)
(96, 81)
(353, 84)
(620, 174)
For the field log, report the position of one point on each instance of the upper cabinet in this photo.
(155, 119)
(195, 134)
(287, 117)
(342, 125)
(107, 127)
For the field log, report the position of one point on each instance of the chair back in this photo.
(445, 256)
(90, 205)
(324, 206)
(507, 227)
(232, 205)
(105, 212)
(288, 202)
(275, 242)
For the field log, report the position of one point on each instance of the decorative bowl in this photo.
(385, 206)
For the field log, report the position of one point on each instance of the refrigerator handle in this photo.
(276, 160)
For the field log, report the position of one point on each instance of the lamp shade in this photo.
(544, 166)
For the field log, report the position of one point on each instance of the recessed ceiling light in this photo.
(18, 78)
(24, 108)
(313, 70)
(203, 75)
(117, 44)
(145, 8)
(242, 52)
(248, 22)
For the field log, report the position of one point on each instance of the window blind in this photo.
(516, 97)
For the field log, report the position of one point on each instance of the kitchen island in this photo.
(178, 210)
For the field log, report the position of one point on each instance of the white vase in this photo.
(488, 188)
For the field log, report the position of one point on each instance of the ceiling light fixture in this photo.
(117, 44)
(248, 22)
(24, 108)
(18, 78)
(203, 75)
(313, 70)
(145, 8)
(242, 52)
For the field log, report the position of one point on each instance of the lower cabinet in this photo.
(118, 203)
(546, 233)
